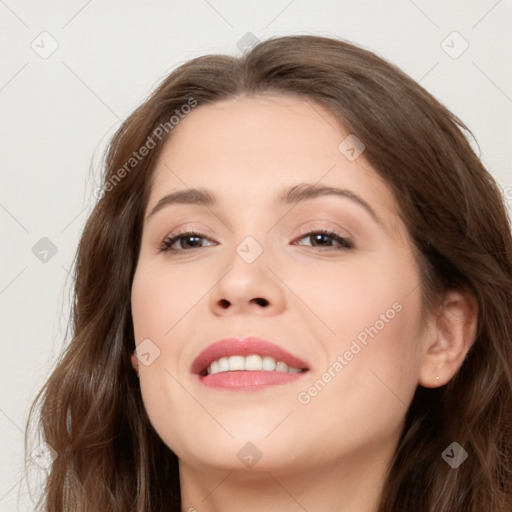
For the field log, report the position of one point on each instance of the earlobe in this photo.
(454, 332)
(135, 363)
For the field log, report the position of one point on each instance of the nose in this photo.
(248, 287)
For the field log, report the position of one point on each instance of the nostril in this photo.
(224, 303)
(261, 302)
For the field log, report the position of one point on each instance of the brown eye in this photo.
(322, 238)
(188, 241)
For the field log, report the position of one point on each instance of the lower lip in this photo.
(248, 380)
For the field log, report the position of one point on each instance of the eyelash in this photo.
(165, 245)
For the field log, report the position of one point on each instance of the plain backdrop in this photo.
(71, 71)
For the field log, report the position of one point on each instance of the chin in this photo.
(249, 453)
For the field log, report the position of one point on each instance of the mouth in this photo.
(246, 363)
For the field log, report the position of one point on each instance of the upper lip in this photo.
(244, 347)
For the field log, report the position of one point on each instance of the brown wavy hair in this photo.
(90, 410)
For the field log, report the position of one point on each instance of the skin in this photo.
(332, 453)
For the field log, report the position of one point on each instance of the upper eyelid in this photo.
(204, 232)
(338, 225)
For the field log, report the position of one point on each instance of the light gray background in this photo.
(57, 112)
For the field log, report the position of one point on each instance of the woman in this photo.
(293, 294)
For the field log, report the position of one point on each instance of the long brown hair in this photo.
(109, 458)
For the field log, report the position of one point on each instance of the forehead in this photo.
(250, 147)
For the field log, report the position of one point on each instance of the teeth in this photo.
(252, 362)
(269, 363)
(282, 367)
(236, 363)
(223, 364)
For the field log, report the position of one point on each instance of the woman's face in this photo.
(346, 305)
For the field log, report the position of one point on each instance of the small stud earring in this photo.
(437, 378)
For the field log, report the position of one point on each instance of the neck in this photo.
(352, 485)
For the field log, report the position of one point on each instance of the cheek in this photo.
(162, 295)
(364, 390)
(358, 296)
(371, 326)
(374, 355)
(159, 299)
(165, 301)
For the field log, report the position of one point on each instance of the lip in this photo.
(244, 347)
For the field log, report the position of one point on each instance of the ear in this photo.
(135, 363)
(448, 341)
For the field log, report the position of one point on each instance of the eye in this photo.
(191, 238)
(322, 238)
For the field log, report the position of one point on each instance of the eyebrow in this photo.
(292, 195)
